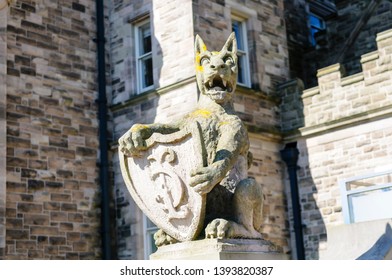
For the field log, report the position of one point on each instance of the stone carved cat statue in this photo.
(234, 201)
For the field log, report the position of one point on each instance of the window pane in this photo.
(145, 39)
(237, 29)
(146, 71)
(313, 32)
(150, 224)
(240, 75)
(372, 205)
(315, 21)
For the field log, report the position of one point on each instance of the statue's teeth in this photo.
(224, 82)
(211, 82)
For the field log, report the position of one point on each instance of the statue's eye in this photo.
(228, 60)
(204, 61)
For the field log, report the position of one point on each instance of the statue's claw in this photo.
(221, 228)
(132, 143)
(162, 238)
(218, 228)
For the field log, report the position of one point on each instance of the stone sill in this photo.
(152, 93)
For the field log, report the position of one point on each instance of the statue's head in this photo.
(216, 72)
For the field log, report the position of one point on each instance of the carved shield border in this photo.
(158, 182)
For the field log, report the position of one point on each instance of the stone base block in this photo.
(220, 249)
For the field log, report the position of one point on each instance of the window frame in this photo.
(347, 208)
(243, 53)
(140, 88)
(148, 237)
(314, 27)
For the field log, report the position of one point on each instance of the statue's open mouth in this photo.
(218, 85)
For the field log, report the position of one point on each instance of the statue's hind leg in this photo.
(248, 204)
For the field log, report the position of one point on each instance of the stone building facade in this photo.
(316, 75)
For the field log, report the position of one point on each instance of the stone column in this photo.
(3, 89)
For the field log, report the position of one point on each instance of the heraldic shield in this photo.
(158, 182)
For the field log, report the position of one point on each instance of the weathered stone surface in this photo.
(48, 72)
(220, 249)
(234, 202)
(366, 241)
(163, 192)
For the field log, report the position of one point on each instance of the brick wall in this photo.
(52, 193)
(3, 137)
(342, 128)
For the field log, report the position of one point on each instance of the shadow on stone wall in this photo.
(138, 108)
(314, 229)
(312, 224)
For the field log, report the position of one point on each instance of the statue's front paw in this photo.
(126, 145)
(218, 228)
(132, 143)
(204, 179)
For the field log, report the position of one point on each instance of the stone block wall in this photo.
(342, 129)
(342, 98)
(3, 127)
(52, 194)
(297, 35)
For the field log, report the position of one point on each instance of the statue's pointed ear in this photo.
(199, 45)
(231, 44)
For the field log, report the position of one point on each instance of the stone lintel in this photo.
(220, 249)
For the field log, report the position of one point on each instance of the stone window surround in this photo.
(139, 72)
(247, 16)
(243, 51)
(315, 28)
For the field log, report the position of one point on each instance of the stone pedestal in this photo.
(220, 249)
(370, 240)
